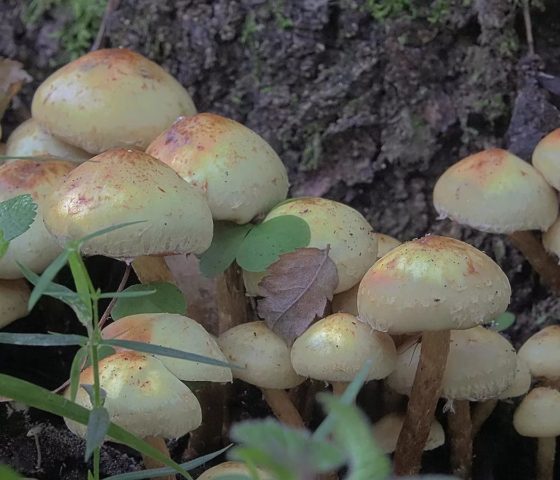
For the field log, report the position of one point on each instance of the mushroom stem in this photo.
(481, 412)
(460, 430)
(282, 407)
(150, 269)
(422, 403)
(149, 462)
(544, 264)
(339, 388)
(231, 299)
(546, 452)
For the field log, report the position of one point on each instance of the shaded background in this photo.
(366, 102)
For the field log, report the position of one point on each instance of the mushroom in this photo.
(347, 301)
(541, 353)
(110, 98)
(31, 139)
(431, 285)
(344, 230)
(123, 185)
(14, 295)
(263, 359)
(143, 397)
(235, 168)
(226, 469)
(545, 158)
(495, 191)
(178, 332)
(387, 429)
(35, 248)
(335, 348)
(481, 365)
(538, 416)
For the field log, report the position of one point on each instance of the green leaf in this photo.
(75, 370)
(354, 436)
(264, 244)
(42, 339)
(4, 244)
(16, 216)
(125, 294)
(347, 398)
(6, 473)
(38, 397)
(157, 472)
(283, 450)
(166, 299)
(83, 286)
(226, 242)
(97, 427)
(165, 351)
(502, 322)
(47, 277)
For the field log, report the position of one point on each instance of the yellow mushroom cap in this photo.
(178, 332)
(263, 357)
(546, 158)
(432, 283)
(143, 397)
(14, 295)
(495, 191)
(551, 238)
(521, 382)
(347, 301)
(386, 432)
(231, 468)
(481, 364)
(352, 247)
(36, 248)
(238, 171)
(538, 414)
(110, 98)
(541, 352)
(31, 139)
(335, 348)
(121, 186)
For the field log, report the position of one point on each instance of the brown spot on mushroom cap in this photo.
(121, 186)
(495, 191)
(240, 173)
(110, 98)
(432, 283)
(35, 177)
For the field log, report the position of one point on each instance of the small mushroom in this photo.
(238, 171)
(264, 361)
(36, 248)
(335, 348)
(545, 158)
(226, 469)
(110, 98)
(31, 139)
(14, 295)
(541, 353)
(430, 285)
(538, 416)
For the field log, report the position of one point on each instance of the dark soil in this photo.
(361, 110)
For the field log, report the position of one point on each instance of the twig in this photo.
(109, 9)
(528, 27)
(120, 288)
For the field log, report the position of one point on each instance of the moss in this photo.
(79, 31)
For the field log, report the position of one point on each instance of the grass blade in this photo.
(47, 277)
(42, 339)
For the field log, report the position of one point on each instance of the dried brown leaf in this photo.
(296, 291)
(12, 77)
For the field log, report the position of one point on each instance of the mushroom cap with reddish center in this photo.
(178, 332)
(263, 357)
(352, 246)
(541, 353)
(480, 365)
(240, 173)
(335, 348)
(538, 414)
(432, 283)
(36, 248)
(14, 295)
(110, 98)
(121, 186)
(546, 158)
(495, 191)
(31, 139)
(142, 396)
